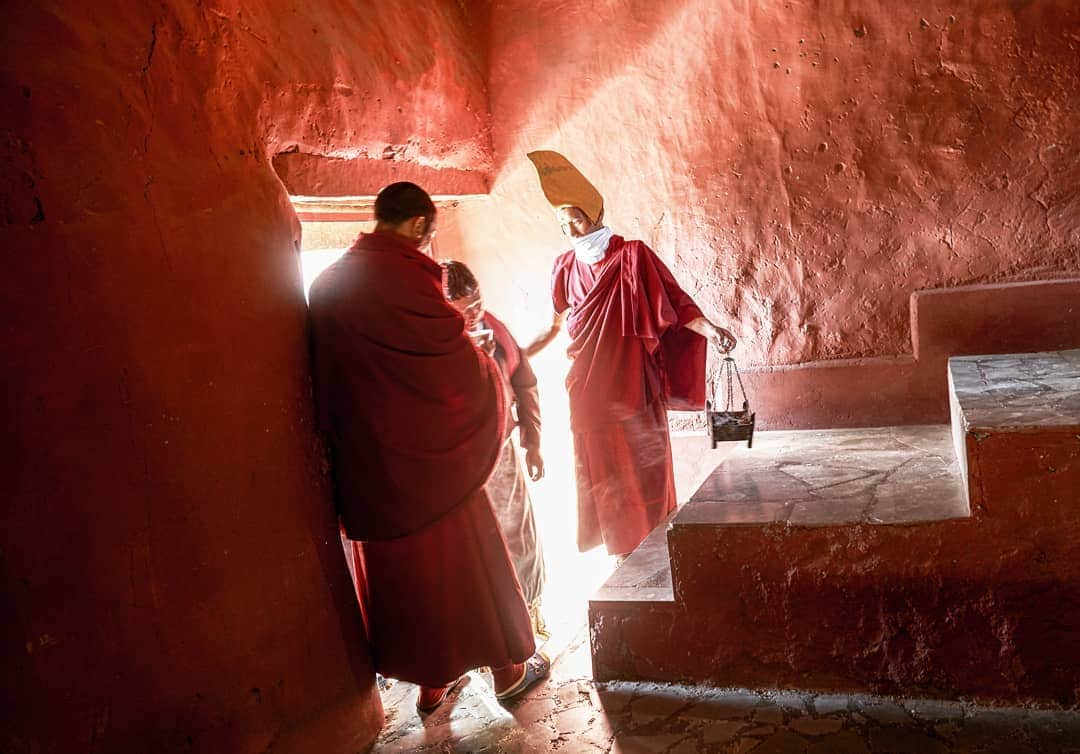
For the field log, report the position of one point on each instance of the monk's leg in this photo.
(589, 534)
(626, 482)
(513, 508)
(445, 600)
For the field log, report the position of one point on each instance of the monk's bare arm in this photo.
(544, 340)
(723, 339)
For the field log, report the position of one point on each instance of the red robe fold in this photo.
(445, 600)
(415, 416)
(632, 359)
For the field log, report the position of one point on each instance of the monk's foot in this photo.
(430, 697)
(512, 680)
(507, 675)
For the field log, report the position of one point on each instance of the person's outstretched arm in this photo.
(723, 339)
(544, 340)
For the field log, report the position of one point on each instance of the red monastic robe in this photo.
(632, 360)
(415, 416)
(507, 488)
(519, 374)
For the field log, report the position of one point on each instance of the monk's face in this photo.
(575, 223)
(471, 308)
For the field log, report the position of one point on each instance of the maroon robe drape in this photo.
(518, 372)
(507, 487)
(415, 415)
(632, 360)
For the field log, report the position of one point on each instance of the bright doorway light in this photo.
(313, 262)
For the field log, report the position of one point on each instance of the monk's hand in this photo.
(717, 335)
(535, 463)
(723, 339)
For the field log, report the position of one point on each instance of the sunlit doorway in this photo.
(329, 227)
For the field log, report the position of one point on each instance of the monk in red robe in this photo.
(414, 414)
(637, 347)
(506, 487)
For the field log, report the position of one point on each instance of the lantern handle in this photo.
(715, 385)
(738, 376)
(729, 374)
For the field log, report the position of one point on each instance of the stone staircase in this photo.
(932, 560)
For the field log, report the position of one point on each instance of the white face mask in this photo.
(590, 249)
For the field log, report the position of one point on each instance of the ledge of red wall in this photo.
(315, 175)
(885, 391)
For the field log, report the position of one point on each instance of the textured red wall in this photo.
(172, 575)
(804, 167)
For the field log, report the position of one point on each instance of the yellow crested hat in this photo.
(565, 186)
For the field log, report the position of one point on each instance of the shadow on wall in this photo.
(573, 55)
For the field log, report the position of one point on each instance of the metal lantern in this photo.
(728, 425)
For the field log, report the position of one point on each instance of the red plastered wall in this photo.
(803, 167)
(172, 573)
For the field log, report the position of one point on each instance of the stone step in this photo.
(850, 559)
(885, 475)
(1036, 395)
(805, 477)
(645, 576)
(823, 477)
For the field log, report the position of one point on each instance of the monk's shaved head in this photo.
(407, 210)
(403, 201)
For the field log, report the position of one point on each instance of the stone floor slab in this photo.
(1018, 391)
(573, 715)
(882, 475)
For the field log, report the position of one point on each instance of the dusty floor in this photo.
(569, 713)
